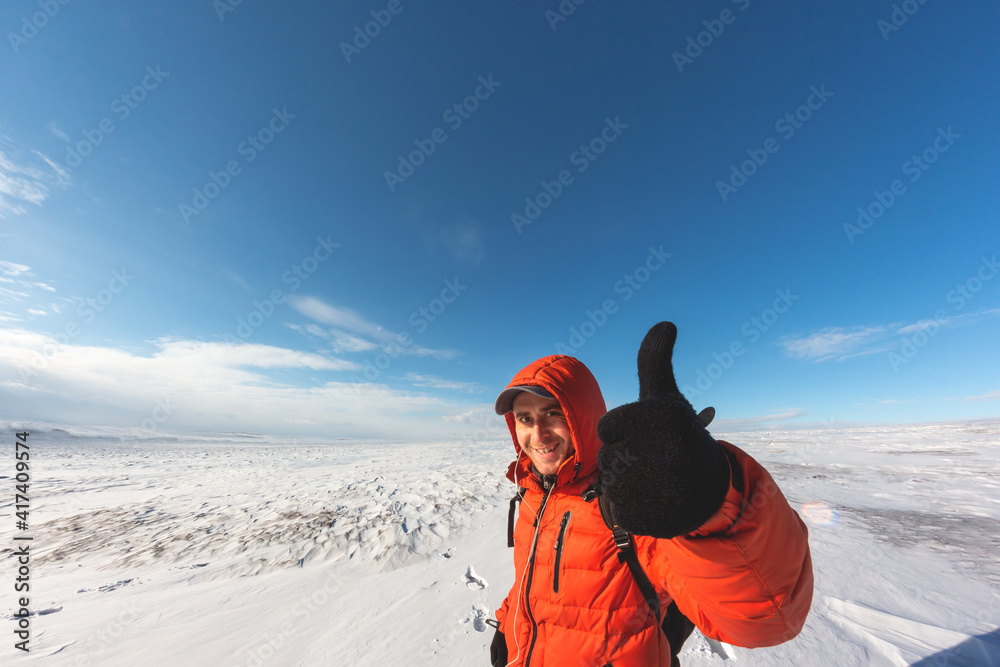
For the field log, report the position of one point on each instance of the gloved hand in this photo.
(498, 650)
(660, 469)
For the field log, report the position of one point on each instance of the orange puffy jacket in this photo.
(744, 577)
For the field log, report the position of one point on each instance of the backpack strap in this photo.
(627, 555)
(675, 625)
(510, 515)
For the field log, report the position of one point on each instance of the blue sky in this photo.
(230, 217)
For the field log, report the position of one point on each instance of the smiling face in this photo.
(542, 431)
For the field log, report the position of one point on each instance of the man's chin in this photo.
(548, 469)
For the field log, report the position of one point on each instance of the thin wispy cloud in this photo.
(833, 343)
(477, 415)
(352, 332)
(239, 280)
(982, 398)
(18, 284)
(11, 270)
(771, 420)
(26, 178)
(842, 343)
(8, 295)
(440, 355)
(54, 129)
(951, 320)
(339, 341)
(479, 424)
(896, 401)
(420, 380)
(246, 355)
(338, 317)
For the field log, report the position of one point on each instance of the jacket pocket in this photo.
(559, 548)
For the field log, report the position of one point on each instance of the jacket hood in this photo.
(579, 395)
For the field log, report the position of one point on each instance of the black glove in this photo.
(661, 470)
(498, 650)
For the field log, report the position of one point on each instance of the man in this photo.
(709, 528)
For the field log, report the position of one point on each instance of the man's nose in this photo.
(541, 429)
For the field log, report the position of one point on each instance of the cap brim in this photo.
(505, 401)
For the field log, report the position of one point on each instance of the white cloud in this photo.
(951, 320)
(26, 177)
(54, 129)
(480, 415)
(12, 269)
(18, 290)
(340, 341)
(361, 335)
(20, 285)
(920, 325)
(342, 318)
(12, 295)
(436, 382)
(344, 342)
(440, 355)
(754, 423)
(842, 343)
(239, 280)
(214, 386)
(246, 355)
(982, 398)
(832, 343)
(479, 425)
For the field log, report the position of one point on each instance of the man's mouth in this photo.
(547, 450)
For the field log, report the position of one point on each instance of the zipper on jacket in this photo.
(559, 548)
(531, 572)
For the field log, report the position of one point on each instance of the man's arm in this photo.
(745, 576)
(730, 550)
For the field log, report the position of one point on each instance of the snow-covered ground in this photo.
(222, 549)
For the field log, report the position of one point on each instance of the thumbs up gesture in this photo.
(660, 469)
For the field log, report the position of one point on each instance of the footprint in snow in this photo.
(474, 581)
(449, 553)
(478, 618)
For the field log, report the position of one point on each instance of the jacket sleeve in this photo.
(501, 613)
(745, 576)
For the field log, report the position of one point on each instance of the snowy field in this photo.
(236, 550)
